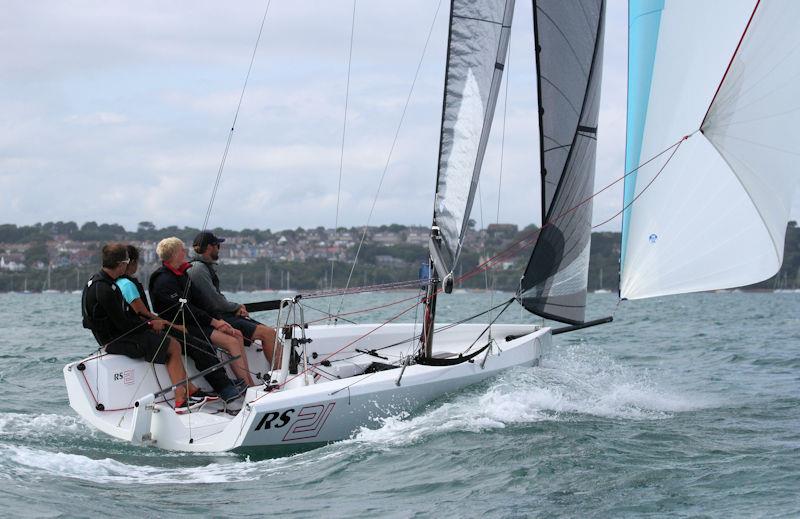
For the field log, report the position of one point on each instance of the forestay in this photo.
(716, 211)
(569, 43)
(478, 41)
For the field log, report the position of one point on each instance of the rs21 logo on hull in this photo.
(306, 424)
(268, 420)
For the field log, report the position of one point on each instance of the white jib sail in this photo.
(479, 32)
(715, 216)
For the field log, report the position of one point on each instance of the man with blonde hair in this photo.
(173, 299)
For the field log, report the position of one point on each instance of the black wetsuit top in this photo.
(105, 311)
(166, 288)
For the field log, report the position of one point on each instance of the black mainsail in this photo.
(569, 51)
(476, 54)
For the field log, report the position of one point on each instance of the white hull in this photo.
(309, 409)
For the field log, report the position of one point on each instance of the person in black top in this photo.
(173, 299)
(120, 331)
(199, 350)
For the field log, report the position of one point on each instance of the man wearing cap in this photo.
(206, 283)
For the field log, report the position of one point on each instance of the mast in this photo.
(478, 36)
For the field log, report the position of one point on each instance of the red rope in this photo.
(364, 310)
(362, 289)
(529, 239)
(721, 81)
(357, 339)
(89, 387)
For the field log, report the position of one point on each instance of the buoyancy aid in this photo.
(92, 319)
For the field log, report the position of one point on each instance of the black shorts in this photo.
(201, 332)
(244, 324)
(148, 344)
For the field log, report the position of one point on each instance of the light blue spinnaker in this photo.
(644, 18)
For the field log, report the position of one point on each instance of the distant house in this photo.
(418, 236)
(389, 261)
(387, 238)
(11, 266)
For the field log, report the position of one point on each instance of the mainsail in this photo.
(476, 53)
(569, 44)
(710, 210)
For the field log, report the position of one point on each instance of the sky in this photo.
(119, 112)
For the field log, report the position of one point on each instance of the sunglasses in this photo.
(126, 261)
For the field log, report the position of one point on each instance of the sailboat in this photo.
(601, 290)
(351, 376)
(47, 289)
(77, 282)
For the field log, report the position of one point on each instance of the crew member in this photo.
(117, 328)
(209, 297)
(172, 293)
(200, 351)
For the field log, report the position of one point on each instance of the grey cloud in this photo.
(112, 103)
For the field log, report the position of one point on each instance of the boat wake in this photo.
(575, 383)
(39, 427)
(26, 439)
(34, 462)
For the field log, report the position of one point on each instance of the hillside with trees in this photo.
(302, 259)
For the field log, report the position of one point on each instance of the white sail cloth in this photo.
(479, 32)
(716, 212)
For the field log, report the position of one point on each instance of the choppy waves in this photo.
(575, 383)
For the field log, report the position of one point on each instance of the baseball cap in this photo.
(206, 238)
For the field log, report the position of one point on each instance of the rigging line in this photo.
(365, 310)
(235, 117)
(414, 342)
(489, 326)
(185, 372)
(244, 366)
(165, 338)
(344, 133)
(396, 285)
(507, 77)
(525, 241)
(357, 339)
(233, 127)
(391, 149)
(675, 150)
(438, 330)
(326, 314)
(730, 63)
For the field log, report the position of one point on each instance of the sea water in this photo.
(683, 407)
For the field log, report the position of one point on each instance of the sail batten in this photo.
(569, 44)
(477, 47)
